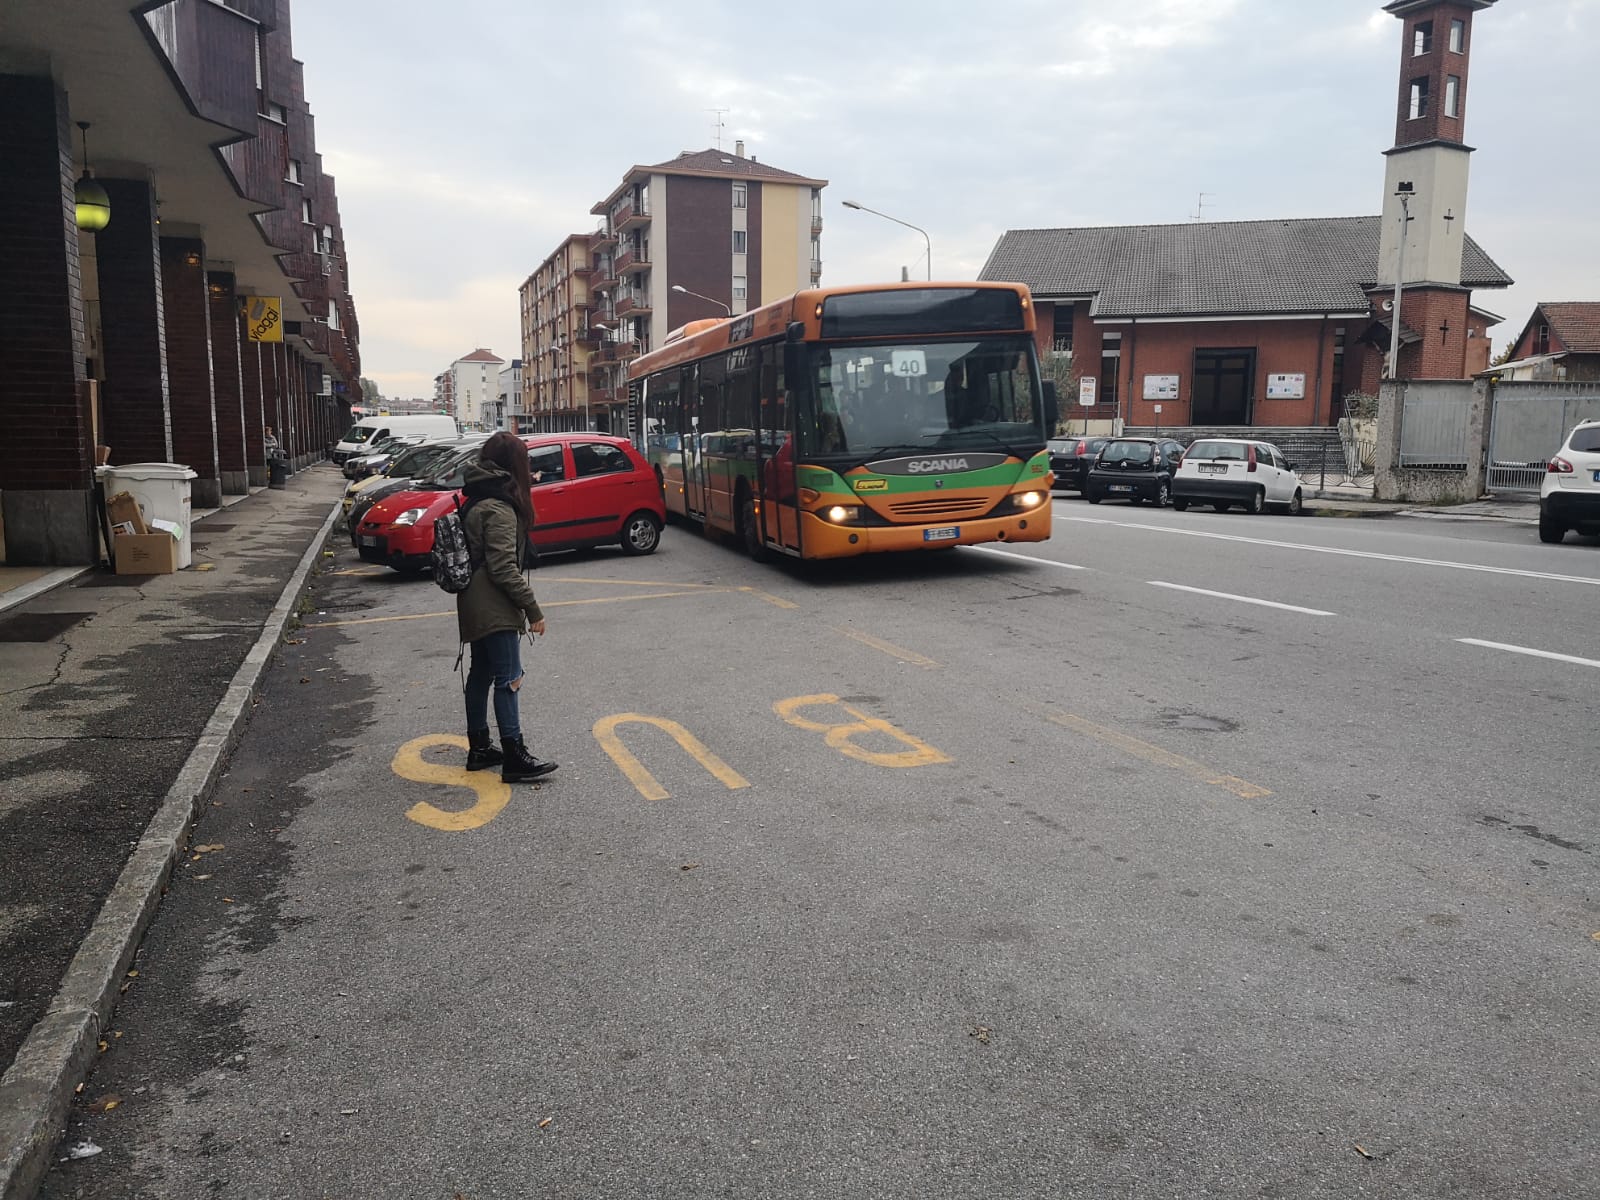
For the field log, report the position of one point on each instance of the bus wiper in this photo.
(957, 434)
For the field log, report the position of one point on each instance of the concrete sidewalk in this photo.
(120, 700)
(1514, 510)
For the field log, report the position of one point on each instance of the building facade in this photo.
(560, 343)
(508, 403)
(1559, 344)
(472, 389)
(199, 296)
(1272, 323)
(706, 233)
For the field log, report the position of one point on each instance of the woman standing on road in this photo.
(498, 606)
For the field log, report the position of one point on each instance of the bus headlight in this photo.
(842, 514)
(1030, 499)
(410, 516)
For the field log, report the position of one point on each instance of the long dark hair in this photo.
(506, 451)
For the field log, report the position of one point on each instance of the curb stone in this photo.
(36, 1091)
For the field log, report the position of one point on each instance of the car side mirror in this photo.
(1294, 466)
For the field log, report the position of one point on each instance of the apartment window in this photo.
(1458, 37)
(305, 212)
(739, 287)
(333, 315)
(1452, 96)
(741, 241)
(1541, 342)
(275, 112)
(1419, 98)
(294, 171)
(1422, 38)
(741, 195)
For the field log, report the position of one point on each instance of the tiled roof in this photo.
(1575, 322)
(723, 164)
(481, 355)
(1210, 267)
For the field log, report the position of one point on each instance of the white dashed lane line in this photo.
(1531, 653)
(1178, 587)
(1035, 560)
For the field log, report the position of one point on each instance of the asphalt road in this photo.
(1183, 855)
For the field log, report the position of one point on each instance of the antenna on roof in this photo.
(718, 127)
(1200, 207)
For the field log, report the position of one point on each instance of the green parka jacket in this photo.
(499, 596)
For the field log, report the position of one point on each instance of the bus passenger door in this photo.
(780, 515)
(702, 395)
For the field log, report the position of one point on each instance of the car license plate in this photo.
(1120, 487)
(369, 541)
(941, 535)
(1213, 469)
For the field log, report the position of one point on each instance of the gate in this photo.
(1531, 420)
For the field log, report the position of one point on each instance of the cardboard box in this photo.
(123, 511)
(145, 553)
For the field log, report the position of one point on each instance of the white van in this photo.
(366, 431)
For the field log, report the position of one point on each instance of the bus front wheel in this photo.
(750, 528)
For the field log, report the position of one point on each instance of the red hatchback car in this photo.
(588, 490)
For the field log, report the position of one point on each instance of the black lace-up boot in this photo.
(520, 766)
(480, 751)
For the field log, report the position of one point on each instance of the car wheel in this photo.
(1258, 500)
(1092, 497)
(750, 528)
(1551, 532)
(1163, 495)
(1296, 503)
(641, 533)
(1180, 506)
(1221, 507)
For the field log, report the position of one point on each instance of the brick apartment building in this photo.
(732, 232)
(1272, 323)
(136, 335)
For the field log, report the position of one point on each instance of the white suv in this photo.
(1570, 495)
(1223, 472)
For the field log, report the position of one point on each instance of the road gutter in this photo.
(36, 1091)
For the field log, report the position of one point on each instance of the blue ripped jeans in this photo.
(496, 663)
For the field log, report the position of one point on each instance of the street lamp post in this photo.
(678, 287)
(898, 221)
(1404, 191)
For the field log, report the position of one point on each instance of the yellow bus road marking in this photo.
(779, 601)
(841, 735)
(889, 648)
(492, 795)
(683, 583)
(452, 612)
(605, 732)
(1157, 756)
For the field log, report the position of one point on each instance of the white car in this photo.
(1569, 498)
(1223, 472)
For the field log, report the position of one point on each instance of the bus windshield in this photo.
(865, 400)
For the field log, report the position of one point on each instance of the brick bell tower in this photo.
(1425, 190)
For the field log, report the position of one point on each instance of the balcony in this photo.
(589, 336)
(605, 277)
(629, 215)
(816, 224)
(632, 260)
(604, 239)
(632, 304)
(601, 395)
(603, 318)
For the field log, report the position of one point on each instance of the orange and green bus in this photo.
(850, 420)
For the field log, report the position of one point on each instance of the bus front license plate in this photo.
(941, 535)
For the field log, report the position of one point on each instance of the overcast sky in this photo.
(469, 138)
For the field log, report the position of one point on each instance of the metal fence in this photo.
(1434, 421)
(1531, 420)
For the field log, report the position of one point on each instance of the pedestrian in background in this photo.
(499, 606)
(270, 444)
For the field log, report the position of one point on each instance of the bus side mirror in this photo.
(794, 357)
(1052, 410)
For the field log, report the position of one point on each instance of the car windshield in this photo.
(1133, 452)
(1225, 451)
(419, 458)
(968, 395)
(358, 434)
(1586, 440)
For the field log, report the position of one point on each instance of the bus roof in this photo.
(700, 338)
